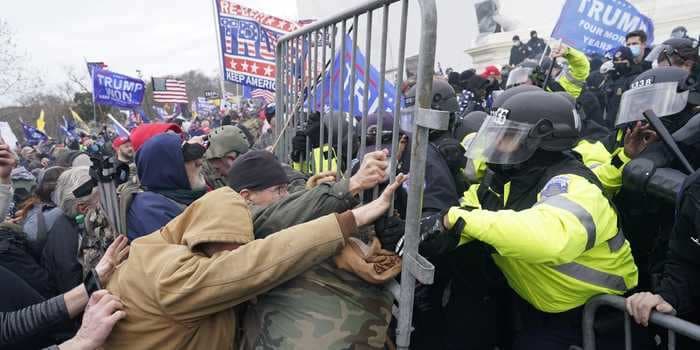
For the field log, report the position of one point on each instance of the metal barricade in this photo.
(300, 74)
(672, 323)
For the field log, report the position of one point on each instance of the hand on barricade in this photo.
(326, 176)
(373, 171)
(436, 239)
(370, 212)
(640, 305)
(389, 231)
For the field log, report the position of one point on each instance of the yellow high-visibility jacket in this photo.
(574, 79)
(605, 165)
(320, 161)
(561, 251)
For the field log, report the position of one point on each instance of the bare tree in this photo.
(15, 78)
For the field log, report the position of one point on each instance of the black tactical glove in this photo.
(437, 240)
(298, 146)
(313, 128)
(389, 231)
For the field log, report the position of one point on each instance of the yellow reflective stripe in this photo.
(578, 211)
(592, 276)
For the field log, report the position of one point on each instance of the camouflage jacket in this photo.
(97, 237)
(213, 179)
(325, 307)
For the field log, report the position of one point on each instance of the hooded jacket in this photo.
(178, 298)
(161, 168)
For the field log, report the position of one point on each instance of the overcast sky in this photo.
(158, 37)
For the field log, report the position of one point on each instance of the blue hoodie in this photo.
(161, 166)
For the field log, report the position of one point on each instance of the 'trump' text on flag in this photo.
(599, 26)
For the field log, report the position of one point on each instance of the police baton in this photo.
(667, 138)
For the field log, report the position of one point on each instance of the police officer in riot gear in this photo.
(651, 181)
(676, 52)
(445, 157)
(539, 218)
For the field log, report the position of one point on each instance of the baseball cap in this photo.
(224, 140)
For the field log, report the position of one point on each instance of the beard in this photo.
(198, 183)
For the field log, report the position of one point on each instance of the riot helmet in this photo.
(524, 124)
(676, 52)
(471, 123)
(664, 90)
(679, 32)
(443, 98)
(505, 95)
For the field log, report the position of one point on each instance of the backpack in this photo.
(125, 193)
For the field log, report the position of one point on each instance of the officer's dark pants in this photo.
(484, 312)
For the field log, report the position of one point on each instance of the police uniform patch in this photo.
(556, 185)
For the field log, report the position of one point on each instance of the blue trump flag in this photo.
(68, 129)
(599, 26)
(360, 85)
(32, 135)
(116, 89)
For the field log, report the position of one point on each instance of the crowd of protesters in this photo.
(546, 190)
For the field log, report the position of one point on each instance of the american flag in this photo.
(247, 38)
(266, 95)
(93, 66)
(169, 91)
(268, 43)
(228, 41)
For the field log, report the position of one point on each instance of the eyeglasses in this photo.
(281, 190)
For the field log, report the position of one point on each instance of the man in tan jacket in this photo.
(180, 284)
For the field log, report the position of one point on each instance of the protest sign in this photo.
(8, 135)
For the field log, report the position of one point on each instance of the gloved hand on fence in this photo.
(313, 128)
(298, 146)
(389, 231)
(436, 239)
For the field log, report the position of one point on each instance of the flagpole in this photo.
(92, 81)
(218, 47)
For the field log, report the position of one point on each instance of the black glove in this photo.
(389, 231)
(298, 146)
(313, 128)
(436, 240)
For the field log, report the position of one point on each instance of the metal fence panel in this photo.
(672, 323)
(297, 97)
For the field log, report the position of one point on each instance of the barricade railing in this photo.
(302, 90)
(672, 323)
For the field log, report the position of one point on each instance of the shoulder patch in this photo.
(556, 185)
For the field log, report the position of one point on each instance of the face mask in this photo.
(636, 50)
(516, 43)
(621, 67)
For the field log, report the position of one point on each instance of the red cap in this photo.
(491, 71)
(119, 141)
(144, 132)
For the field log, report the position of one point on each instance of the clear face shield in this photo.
(406, 118)
(662, 98)
(518, 76)
(657, 51)
(502, 141)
